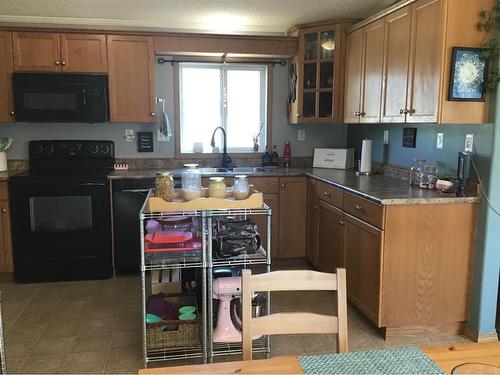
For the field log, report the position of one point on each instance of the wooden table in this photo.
(445, 356)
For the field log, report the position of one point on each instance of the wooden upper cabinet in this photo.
(36, 52)
(353, 76)
(319, 67)
(373, 47)
(54, 52)
(84, 53)
(131, 78)
(425, 61)
(6, 104)
(396, 63)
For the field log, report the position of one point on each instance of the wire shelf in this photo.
(172, 262)
(174, 354)
(265, 210)
(260, 257)
(232, 348)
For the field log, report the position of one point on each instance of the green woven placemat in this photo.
(382, 361)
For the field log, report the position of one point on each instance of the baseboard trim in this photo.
(480, 337)
(423, 330)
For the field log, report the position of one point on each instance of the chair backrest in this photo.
(293, 323)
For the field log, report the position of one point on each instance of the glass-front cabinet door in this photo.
(315, 94)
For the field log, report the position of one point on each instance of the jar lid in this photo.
(241, 176)
(191, 166)
(216, 179)
(164, 173)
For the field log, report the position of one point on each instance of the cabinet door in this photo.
(84, 53)
(373, 35)
(363, 262)
(353, 76)
(312, 222)
(396, 60)
(293, 205)
(5, 243)
(425, 61)
(330, 237)
(6, 105)
(131, 78)
(36, 52)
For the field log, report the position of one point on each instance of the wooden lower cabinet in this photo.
(292, 217)
(312, 222)
(330, 237)
(6, 103)
(363, 262)
(5, 240)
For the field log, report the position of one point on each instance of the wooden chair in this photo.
(293, 323)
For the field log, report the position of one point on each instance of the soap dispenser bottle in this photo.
(287, 154)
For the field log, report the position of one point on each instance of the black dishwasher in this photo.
(128, 199)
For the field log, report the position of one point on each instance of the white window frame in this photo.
(264, 137)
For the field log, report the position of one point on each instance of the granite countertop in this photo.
(4, 176)
(378, 188)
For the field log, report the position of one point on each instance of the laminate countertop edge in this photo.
(381, 189)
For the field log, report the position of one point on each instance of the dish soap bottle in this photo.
(266, 158)
(275, 158)
(287, 154)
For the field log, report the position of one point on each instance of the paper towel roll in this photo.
(366, 156)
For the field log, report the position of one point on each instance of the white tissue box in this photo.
(336, 158)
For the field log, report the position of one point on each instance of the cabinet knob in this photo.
(153, 113)
(58, 62)
(12, 113)
(327, 194)
(341, 222)
(315, 207)
(4, 210)
(63, 62)
(356, 114)
(299, 114)
(401, 111)
(358, 207)
(283, 186)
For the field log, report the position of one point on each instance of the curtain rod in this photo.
(281, 62)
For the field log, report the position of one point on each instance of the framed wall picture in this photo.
(468, 73)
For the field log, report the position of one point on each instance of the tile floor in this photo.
(94, 327)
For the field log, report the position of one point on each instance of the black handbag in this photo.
(232, 238)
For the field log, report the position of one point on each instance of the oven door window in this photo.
(61, 214)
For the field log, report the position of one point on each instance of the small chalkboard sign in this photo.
(145, 141)
(409, 137)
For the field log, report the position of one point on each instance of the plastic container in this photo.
(164, 186)
(241, 188)
(177, 223)
(415, 171)
(191, 182)
(216, 187)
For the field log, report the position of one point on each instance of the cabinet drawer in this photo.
(330, 194)
(363, 209)
(3, 191)
(266, 185)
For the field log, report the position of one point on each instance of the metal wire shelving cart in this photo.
(204, 262)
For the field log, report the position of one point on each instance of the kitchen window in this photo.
(232, 96)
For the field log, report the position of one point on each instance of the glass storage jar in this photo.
(164, 186)
(428, 177)
(216, 187)
(240, 187)
(191, 182)
(415, 171)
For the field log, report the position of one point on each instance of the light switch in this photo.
(129, 135)
(302, 135)
(439, 140)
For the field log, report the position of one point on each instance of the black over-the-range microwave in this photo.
(61, 97)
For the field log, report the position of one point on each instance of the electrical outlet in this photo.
(301, 135)
(469, 142)
(129, 135)
(439, 140)
(386, 137)
(160, 137)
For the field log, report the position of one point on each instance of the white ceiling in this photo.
(220, 16)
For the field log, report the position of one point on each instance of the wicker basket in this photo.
(186, 333)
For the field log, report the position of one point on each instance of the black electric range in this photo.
(61, 212)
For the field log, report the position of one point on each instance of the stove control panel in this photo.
(71, 150)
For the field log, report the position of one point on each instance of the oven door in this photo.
(61, 230)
